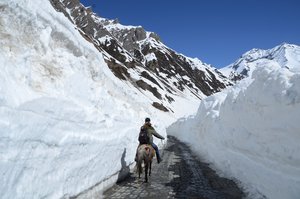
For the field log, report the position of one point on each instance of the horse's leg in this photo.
(150, 166)
(139, 168)
(146, 171)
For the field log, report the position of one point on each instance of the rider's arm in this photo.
(152, 130)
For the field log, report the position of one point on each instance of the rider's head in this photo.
(147, 119)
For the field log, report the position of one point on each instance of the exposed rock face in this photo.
(131, 49)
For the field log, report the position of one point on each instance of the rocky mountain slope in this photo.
(139, 57)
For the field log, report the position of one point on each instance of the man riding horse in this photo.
(150, 132)
(145, 150)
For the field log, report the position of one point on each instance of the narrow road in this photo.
(179, 175)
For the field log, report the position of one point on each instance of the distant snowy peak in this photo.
(140, 58)
(286, 55)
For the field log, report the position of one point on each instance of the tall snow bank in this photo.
(66, 122)
(251, 131)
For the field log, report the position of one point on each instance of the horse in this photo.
(145, 154)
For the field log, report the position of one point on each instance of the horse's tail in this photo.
(148, 155)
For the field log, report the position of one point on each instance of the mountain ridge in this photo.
(284, 54)
(131, 49)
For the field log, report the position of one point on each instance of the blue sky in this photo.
(216, 31)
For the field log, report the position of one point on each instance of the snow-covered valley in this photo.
(67, 122)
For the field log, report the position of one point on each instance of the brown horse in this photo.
(145, 154)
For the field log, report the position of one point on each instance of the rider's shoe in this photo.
(159, 160)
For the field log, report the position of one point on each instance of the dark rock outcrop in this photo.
(131, 48)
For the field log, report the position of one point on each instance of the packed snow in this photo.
(251, 131)
(66, 122)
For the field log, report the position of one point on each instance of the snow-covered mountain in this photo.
(74, 92)
(75, 88)
(140, 58)
(285, 55)
(251, 131)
